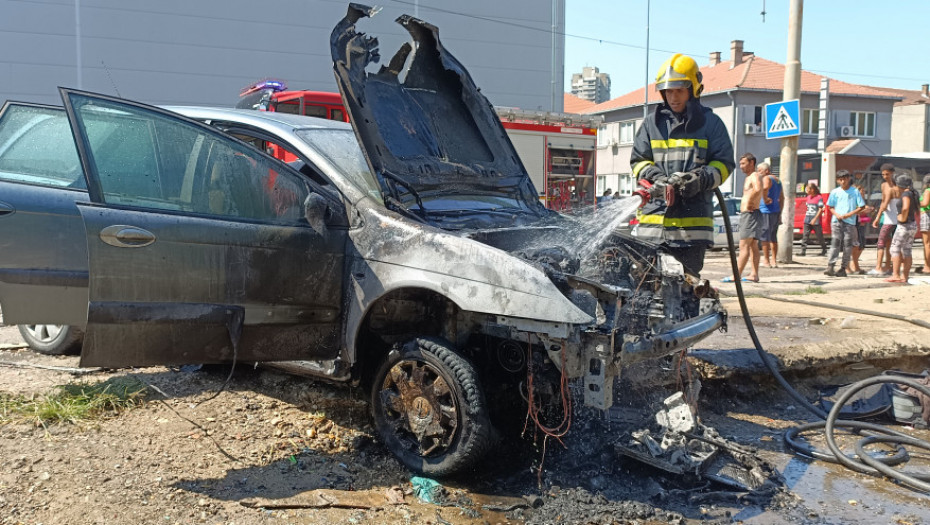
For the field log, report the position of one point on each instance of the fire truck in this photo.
(557, 149)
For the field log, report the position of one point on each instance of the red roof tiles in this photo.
(574, 104)
(754, 73)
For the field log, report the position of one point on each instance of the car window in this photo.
(341, 149)
(148, 159)
(36, 147)
(732, 206)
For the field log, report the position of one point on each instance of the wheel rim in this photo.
(420, 407)
(44, 333)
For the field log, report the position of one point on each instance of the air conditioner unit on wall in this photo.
(846, 131)
(752, 129)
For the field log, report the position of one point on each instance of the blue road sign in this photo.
(783, 119)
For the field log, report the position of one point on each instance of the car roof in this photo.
(258, 118)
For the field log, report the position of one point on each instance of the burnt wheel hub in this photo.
(421, 404)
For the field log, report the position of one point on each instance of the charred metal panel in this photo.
(422, 122)
(394, 253)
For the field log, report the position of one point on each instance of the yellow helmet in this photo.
(678, 72)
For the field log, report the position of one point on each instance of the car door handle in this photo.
(123, 236)
(6, 209)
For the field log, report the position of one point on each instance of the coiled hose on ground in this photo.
(861, 462)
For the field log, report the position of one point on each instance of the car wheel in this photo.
(52, 339)
(429, 408)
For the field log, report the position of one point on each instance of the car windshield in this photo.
(732, 206)
(341, 148)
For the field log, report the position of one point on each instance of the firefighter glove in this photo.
(688, 184)
(659, 184)
(651, 173)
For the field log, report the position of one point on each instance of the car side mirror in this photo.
(315, 208)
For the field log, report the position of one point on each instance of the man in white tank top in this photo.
(888, 216)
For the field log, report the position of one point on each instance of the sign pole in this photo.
(788, 165)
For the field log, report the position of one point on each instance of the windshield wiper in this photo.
(397, 202)
(499, 211)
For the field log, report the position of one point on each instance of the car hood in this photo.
(437, 147)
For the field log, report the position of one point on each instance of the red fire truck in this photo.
(558, 150)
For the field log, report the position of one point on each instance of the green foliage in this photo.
(74, 403)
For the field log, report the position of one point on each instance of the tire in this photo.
(433, 379)
(52, 339)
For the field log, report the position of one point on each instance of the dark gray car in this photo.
(425, 269)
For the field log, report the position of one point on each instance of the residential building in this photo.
(591, 85)
(910, 125)
(858, 118)
(205, 52)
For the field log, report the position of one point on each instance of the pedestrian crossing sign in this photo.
(782, 119)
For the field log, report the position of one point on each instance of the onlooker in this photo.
(812, 218)
(888, 217)
(616, 195)
(750, 219)
(925, 224)
(772, 198)
(865, 218)
(845, 203)
(903, 238)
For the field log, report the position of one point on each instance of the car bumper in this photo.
(679, 336)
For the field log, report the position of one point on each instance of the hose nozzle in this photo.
(644, 193)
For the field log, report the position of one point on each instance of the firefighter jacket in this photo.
(666, 143)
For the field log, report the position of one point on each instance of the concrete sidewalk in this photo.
(802, 318)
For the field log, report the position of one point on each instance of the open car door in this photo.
(201, 249)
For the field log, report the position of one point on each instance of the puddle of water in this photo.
(845, 496)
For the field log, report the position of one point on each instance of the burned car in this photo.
(422, 265)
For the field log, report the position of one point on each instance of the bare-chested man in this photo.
(750, 218)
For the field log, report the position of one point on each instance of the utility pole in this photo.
(646, 89)
(788, 165)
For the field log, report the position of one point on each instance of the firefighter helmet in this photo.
(678, 72)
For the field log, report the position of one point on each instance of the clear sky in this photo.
(884, 44)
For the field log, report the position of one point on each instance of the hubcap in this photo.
(420, 406)
(45, 333)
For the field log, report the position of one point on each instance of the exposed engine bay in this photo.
(643, 304)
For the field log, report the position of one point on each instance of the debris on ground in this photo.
(682, 445)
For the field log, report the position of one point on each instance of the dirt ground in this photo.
(272, 448)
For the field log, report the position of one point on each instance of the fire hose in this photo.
(862, 461)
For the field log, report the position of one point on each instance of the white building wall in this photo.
(910, 129)
(205, 51)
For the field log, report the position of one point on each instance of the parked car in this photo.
(720, 232)
(421, 265)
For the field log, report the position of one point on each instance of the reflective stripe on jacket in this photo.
(667, 143)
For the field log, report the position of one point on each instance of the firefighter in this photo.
(683, 151)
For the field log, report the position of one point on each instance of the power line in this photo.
(531, 28)
(822, 72)
(614, 42)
